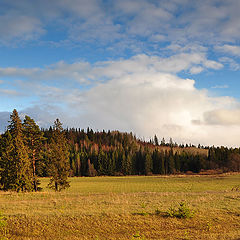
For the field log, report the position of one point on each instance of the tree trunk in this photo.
(56, 186)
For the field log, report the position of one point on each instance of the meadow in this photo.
(131, 207)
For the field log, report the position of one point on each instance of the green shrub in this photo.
(182, 211)
(142, 211)
(137, 236)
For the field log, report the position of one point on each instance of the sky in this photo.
(164, 67)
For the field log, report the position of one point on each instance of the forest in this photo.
(28, 152)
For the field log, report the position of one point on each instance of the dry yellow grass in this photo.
(112, 207)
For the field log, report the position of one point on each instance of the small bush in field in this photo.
(182, 211)
(142, 212)
(137, 236)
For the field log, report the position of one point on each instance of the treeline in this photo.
(115, 153)
(26, 152)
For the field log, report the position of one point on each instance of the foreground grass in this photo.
(118, 207)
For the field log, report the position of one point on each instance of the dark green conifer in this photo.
(22, 180)
(58, 158)
(126, 164)
(162, 159)
(156, 140)
(148, 164)
(33, 138)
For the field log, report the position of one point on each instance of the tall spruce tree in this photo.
(58, 158)
(33, 138)
(21, 166)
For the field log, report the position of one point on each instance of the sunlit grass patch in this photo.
(119, 207)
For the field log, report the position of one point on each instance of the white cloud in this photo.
(141, 94)
(59, 71)
(122, 22)
(84, 72)
(222, 117)
(157, 38)
(213, 64)
(221, 86)
(141, 63)
(23, 72)
(156, 103)
(232, 63)
(19, 27)
(230, 49)
(196, 70)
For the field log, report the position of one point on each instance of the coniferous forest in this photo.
(28, 152)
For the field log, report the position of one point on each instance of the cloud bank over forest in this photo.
(142, 94)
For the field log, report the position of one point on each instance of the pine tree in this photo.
(171, 167)
(156, 162)
(21, 167)
(84, 165)
(162, 159)
(177, 162)
(34, 138)
(156, 140)
(148, 163)
(58, 158)
(171, 163)
(126, 164)
(100, 159)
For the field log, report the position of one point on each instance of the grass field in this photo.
(120, 207)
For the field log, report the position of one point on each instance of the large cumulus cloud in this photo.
(142, 94)
(162, 104)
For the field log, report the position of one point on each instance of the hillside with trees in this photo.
(28, 152)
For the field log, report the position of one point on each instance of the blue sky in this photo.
(167, 67)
